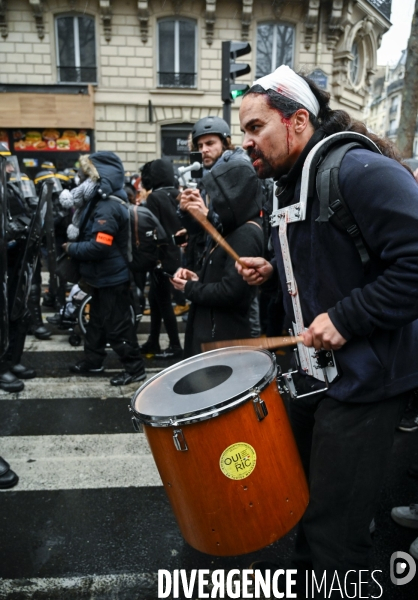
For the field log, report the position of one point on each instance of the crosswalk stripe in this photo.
(68, 462)
(55, 388)
(92, 585)
(59, 342)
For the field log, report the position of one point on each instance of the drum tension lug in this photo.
(179, 441)
(137, 424)
(260, 407)
(287, 386)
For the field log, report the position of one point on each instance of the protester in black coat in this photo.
(158, 175)
(101, 227)
(101, 245)
(220, 301)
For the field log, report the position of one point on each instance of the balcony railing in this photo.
(175, 80)
(72, 74)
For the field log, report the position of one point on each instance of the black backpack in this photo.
(148, 239)
(324, 177)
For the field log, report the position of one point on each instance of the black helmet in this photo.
(70, 174)
(211, 125)
(40, 178)
(48, 165)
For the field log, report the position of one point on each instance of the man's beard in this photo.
(209, 162)
(265, 170)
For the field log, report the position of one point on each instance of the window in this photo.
(177, 53)
(394, 105)
(355, 64)
(275, 47)
(76, 49)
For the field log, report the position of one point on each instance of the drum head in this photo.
(201, 387)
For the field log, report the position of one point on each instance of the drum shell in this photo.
(222, 516)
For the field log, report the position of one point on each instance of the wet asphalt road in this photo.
(131, 530)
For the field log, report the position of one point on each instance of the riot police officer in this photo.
(55, 237)
(17, 226)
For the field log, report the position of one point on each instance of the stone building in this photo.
(133, 76)
(384, 110)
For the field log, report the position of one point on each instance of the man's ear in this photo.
(301, 120)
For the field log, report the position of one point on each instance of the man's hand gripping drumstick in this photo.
(254, 270)
(321, 334)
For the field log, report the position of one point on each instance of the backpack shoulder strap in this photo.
(332, 206)
(161, 233)
(129, 248)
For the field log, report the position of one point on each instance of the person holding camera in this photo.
(211, 136)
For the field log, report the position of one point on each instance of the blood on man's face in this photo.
(268, 137)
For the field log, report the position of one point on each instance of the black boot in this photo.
(48, 300)
(23, 372)
(10, 383)
(8, 478)
(38, 329)
(17, 335)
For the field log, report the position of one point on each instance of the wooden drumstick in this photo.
(214, 233)
(262, 342)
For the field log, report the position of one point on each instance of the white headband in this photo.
(287, 83)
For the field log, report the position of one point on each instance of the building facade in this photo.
(133, 76)
(384, 109)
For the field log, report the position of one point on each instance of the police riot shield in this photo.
(50, 245)
(31, 253)
(4, 312)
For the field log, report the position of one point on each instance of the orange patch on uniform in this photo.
(104, 238)
(101, 221)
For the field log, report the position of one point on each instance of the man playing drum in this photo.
(368, 316)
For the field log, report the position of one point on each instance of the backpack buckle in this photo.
(336, 205)
(353, 229)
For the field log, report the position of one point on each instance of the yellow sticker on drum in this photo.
(238, 460)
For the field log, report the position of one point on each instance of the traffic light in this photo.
(231, 70)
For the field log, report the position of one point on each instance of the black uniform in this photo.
(19, 219)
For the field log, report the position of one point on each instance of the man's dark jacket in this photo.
(103, 258)
(221, 298)
(162, 202)
(376, 311)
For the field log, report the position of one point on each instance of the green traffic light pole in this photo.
(230, 70)
(226, 81)
(227, 112)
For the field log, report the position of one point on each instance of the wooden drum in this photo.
(223, 445)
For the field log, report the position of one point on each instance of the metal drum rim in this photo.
(208, 412)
